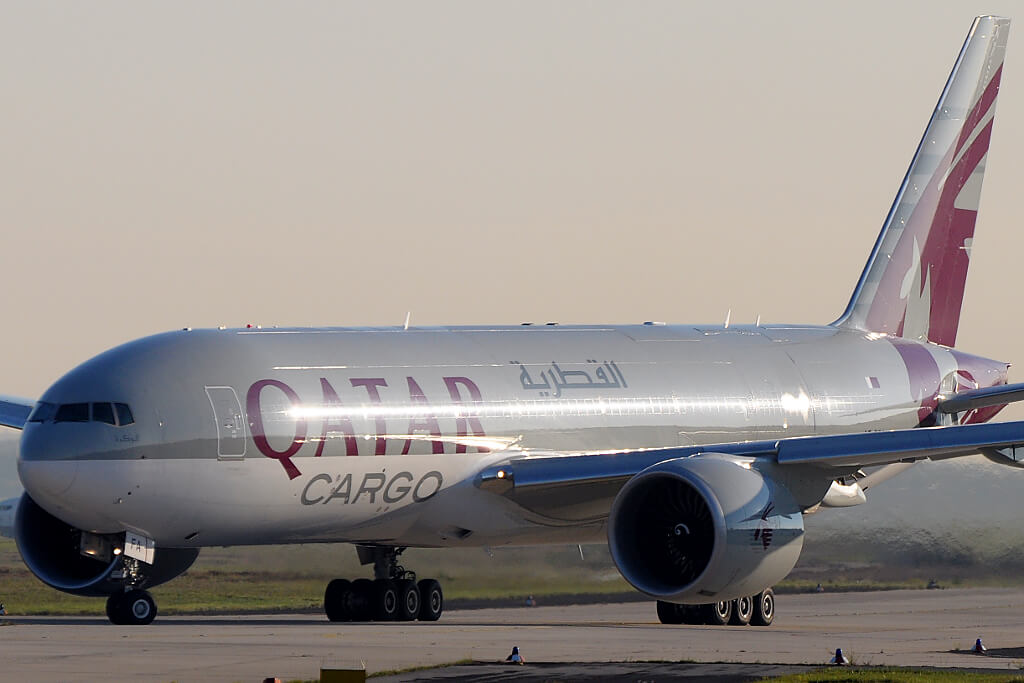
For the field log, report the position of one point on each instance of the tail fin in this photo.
(913, 283)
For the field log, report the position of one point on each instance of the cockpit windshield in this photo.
(72, 412)
(115, 414)
(124, 414)
(43, 412)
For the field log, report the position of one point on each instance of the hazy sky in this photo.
(198, 164)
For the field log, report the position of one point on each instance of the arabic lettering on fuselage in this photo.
(554, 380)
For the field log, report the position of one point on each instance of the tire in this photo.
(718, 613)
(336, 600)
(360, 600)
(670, 613)
(764, 608)
(742, 611)
(385, 600)
(431, 600)
(115, 609)
(137, 608)
(408, 600)
(692, 614)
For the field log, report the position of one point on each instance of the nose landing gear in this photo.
(393, 594)
(132, 608)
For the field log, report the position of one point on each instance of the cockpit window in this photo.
(117, 414)
(72, 412)
(43, 412)
(103, 412)
(124, 414)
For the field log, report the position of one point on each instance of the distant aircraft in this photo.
(695, 450)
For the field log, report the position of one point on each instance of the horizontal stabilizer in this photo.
(964, 401)
(14, 412)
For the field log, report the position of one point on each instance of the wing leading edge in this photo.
(574, 488)
(14, 411)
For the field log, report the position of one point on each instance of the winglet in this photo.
(913, 283)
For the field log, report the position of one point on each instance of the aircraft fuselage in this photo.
(285, 435)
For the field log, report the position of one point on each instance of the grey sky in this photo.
(199, 164)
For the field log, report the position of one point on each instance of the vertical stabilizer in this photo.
(913, 283)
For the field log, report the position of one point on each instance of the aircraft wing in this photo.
(14, 411)
(575, 488)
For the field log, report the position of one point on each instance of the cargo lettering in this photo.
(322, 488)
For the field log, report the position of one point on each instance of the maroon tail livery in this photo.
(913, 283)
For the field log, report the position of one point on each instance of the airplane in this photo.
(694, 451)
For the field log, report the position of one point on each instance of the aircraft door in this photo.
(227, 414)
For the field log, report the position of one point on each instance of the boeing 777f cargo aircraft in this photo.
(695, 450)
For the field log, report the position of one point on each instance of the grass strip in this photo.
(424, 667)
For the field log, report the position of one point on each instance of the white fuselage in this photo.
(376, 435)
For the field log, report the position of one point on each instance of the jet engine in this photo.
(83, 563)
(703, 529)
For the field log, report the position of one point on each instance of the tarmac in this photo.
(922, 628)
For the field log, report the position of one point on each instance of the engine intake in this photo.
(704, 529)
(674, 534)
(55, 552)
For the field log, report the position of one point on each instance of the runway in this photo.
(898, 628)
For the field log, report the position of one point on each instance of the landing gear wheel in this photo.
(385, 600)
(140, 607)
(742, 611)
(134, 608)
(408, 600)
(115, 609)
(718, 613)
(431, 600)
(670, 612)
(360, 601)
(764, 608)
(336, 600)
(692, 614)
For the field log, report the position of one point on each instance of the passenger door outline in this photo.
(227, 415)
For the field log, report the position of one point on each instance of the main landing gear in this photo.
(393, 594)
(757, 610)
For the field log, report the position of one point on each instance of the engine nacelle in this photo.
(703, 529)
(55, 552)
